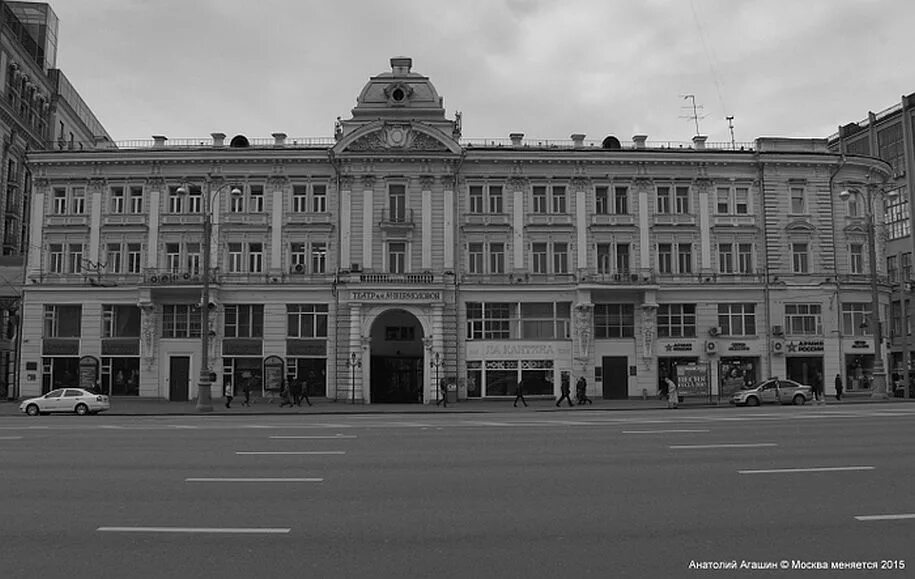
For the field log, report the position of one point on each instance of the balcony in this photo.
(676, 219)
(396, 222)
(628, 278)
(81, 220)
(167, 277)
(733, 221)
(182, 219)
(487, 219)
(124, 219)
(610, 220)
(549, 220)
(424, 278)
(233, 218)
(325, 218)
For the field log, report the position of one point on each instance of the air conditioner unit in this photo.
(714, 331)
(711, 347)
(355, 267)
(634, 277)
(778, 331)
(186, 276)
(165, 278)
(154, 279)
(617, 277)
(275, 279)
(778, 347)
(298, 268)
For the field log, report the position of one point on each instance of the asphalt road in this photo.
(576, 494)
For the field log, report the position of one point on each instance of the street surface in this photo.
(503, 494)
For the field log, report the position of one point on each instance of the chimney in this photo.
(400, 65)
(578, 140)
(219, 139)
(699, 141)
(159, 140)
(516, 139)
(279, 139)
(639, 141)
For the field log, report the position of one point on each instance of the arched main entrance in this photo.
(396, 358)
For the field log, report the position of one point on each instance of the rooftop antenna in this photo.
(694, 116)
(730, 120)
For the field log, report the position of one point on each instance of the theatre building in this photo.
(397, 255)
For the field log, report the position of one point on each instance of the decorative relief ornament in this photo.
(398, 93)
(517, 184)
(583, 328)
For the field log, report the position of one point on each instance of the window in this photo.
(60, 201)
(255, 257)
(890, 147)
(745, 258)
(299, 198)
(75, 259)
(621, 200)
(476, 199)
(117, 200)
(56, 258)
(297, 256)
(799, 258)
(236, 203)
(559, 199)
(725, 258)
(397, 257)
(855, 317)
(665, 258)
(62, 321)
(193, 259)
(113, 261)
(685, 258)
(560, 258)
(175, 204)
(195, 199)
(256, 198)
(319, 198)
(856, 255)
(489, 321)
(895, 318)
(475, 258)
(397, 203)
(244, 321)
(614, 321)
(180, 321)
(539, 199)
(78, 201)
(495, 199)
(852, 207)
(603, 258)
(682, 196)
(892, 269)
(134, 258)
(235, 258)
(663, 200)
(602, 200)
(318, 257)
(737, 319)
(306, 320)
(677, 321)
(803, 319)
(734, 201)
(798, 200)
(723, 207)
(545, 321)
(136, 199)
(497, 258)
(538, 258)
(907, 266)
(622, 258)
(742, 200)
(173, 257)
(120, 321)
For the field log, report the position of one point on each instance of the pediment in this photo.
(394, 137)
(855, 229)
(800, 225)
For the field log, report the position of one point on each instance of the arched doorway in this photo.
(396, 358)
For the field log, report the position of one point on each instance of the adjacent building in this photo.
(397, 255)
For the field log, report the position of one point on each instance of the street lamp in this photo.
(871, 193)
(204, 397)
(435, 362)
(355, 361)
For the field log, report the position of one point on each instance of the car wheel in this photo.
(82, 409)
(752, 401)
(799, 399)
(32, 410)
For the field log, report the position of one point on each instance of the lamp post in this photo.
(435, 362)
(871, 193)
(204, 396)
(355, 361)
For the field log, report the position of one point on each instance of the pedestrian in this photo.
(296, 387)
(246, 388)
(818, 389)
(565, 389)
(519, 394)
(303, 388)
(285, 394)
(443, 393)
(662, 388)
(673, 396)
(227, 391)
(838, 387)
(581, 391)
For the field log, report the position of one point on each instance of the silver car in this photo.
(773, 390)
(75, 400)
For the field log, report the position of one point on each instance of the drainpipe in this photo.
(835, 266)
(335, 290)
(767, 305)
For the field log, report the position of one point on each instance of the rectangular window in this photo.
(614, 321)
(602, 200)
(800, 258)
(559, 199)
(891, 147)
(490, 321)
(737, 319)
(318, 257)
(682, 194)
(60, 201)
(539, 199)
(237, 203)
(175, 200)
(180, 321)
(136, 199)
(725, 258)
(803, 319)
(476, 199)
(538, 258)
(235, 258)
(663, 200)
(495, 199)
(621, 200)
(134, 258)
(120, 321)
(742, 201)
(798, 200)
(299, 198)
(306, 320)
(62, 321)
(78, 201)
(255, 257)
(856, 255)
(852, 207)
(193, 259)
(723, 207)
(319, 198)
(677, 321)
(745, 258)
(685, 258)
(397, 203)
(113, 261)
(397, 257)
(545, 321)
(244, 321)
(256, 198)
(665, 258)
(195, 199)
(297, 257)
(475, 258)
(622, 258)
(855, 318)
(907, 266)
(56, 258)
(173, 257)
(76, 258)
(117, 200)
(892, 269)
(604, 258)
(560, 258)
(895, 318)
(497, 258)
(897, 218)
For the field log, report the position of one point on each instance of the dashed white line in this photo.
(671, 431)
(735, 445)
(238, 530)
(10, 438)
(314, 437)
(885, 517)
(289, 452)
(813, 469)
(254, 480)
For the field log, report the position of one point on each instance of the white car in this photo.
(75, 400)
(773, 390)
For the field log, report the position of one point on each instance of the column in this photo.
(448, 225)
(426, 186)
(518, 186)
(704, 185)
(276, 223)
(37, 249)
(155, 187)
(355, 345)
(642, 186)
(346, 226)
(580, 187)
(96, 187)
(368, 210)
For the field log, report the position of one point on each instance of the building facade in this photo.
(397, 255)
(890, 135)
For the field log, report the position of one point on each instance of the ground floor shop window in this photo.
(474, 379)
(243, 374)
(859, 371)
(501, 377)
(312, 371)
(737, 373)
(804, 369)
(60, 371)
(667, 367)
(121, 376)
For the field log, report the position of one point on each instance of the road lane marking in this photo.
(673, 431)
(748, 445)
(885, 517)
(316, 437)
(10, 438)
(262, 530)
(292, 452)
(813, 469)
(254, 480)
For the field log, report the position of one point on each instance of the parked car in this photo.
(773, 390)
(75, 400)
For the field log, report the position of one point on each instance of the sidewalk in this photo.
(127, 406)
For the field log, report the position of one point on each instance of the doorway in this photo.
(397, 380)
(179, 373)
(615, 377)
(804, 369)
(396, 362)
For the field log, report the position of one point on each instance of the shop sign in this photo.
(679, 347)
(517, 350)
(804, 346)
(738, 347)
(395, 296)
(692, 380)
(861, 345)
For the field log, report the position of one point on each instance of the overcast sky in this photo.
(186, 68)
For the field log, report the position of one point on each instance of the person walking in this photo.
(581, 391)
(246, 388)
(818, 390)
(565, 389)
(519, 394)
(443, 394)
(673, 396)
(304, 389)
(227, 391)
(838, 387)
(285, 395)
(295, 387)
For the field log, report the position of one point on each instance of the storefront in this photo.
(495, 368)
(804, 360)
(672, 355)
(738, 367)
(858, 362)
(307, 360)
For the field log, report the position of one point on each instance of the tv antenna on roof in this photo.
(730, 120)
(694, 115)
